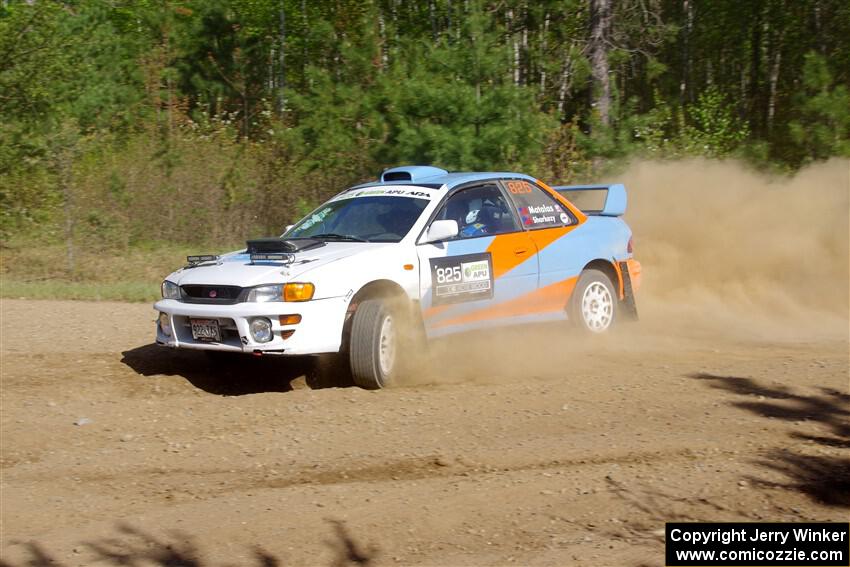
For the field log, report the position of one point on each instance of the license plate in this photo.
(206, 330)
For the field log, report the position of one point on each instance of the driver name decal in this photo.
(540, 214)
(457, 279)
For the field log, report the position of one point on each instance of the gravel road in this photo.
(529, 446)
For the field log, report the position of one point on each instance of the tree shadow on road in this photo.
(222, 374)
(825, 479)
(133, 547)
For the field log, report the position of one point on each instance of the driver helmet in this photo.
(473, 225)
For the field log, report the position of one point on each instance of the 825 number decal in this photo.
(467, 277)
(449, 274)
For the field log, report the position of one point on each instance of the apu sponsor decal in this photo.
(475, 271)
(316, 218)
(455, 279)
(384, 192)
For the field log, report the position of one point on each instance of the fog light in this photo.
(261, 330)
(165, 324)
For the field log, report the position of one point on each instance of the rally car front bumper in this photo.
(318, 331)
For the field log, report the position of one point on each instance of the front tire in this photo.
(593, 305)
(376, 335)
(329, 371)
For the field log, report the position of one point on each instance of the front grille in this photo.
(216, 294)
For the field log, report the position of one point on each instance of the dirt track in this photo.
(553, 451)
(727, 401)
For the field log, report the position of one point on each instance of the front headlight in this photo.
(266, 293)
(282, 292)
(170, 290)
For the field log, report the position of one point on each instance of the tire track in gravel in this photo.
(576, 455)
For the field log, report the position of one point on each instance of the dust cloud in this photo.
(730, 256)
(723, 245)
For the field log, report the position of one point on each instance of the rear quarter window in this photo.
(536, 208)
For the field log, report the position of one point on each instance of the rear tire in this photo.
(376, 342)
(593, 305)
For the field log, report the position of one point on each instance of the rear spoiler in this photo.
(604, 200)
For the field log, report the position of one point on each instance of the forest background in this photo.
(134, 132)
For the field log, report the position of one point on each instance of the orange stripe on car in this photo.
(506, 249)
(547, 299)
(432, 312)
(545, 236)
(634, 273)
(509, 251)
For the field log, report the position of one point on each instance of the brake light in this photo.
(630, 247)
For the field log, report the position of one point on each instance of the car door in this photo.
(466, 281)
(549, 224)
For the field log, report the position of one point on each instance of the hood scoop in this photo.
(278, 249)
(281, 245)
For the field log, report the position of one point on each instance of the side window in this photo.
(536, 208)
(479, 211)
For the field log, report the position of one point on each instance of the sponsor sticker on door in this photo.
(461, 278)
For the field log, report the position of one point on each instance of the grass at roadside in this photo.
(36, 271)
(118, 291)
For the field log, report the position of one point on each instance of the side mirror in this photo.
(440, 230)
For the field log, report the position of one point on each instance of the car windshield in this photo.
(361, 219)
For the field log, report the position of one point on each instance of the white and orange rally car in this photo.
(419, 253)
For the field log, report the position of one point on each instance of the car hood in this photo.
(236, 268)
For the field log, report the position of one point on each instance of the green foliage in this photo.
(714, 130)
(203, 121)
(823, 126)
(133, 274)
(138, 292)
(451, 103)
(447, 103)
(657, 130)
(58, 67)
(30, 46)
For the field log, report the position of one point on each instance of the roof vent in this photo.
(411, 173)
(396, 176)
